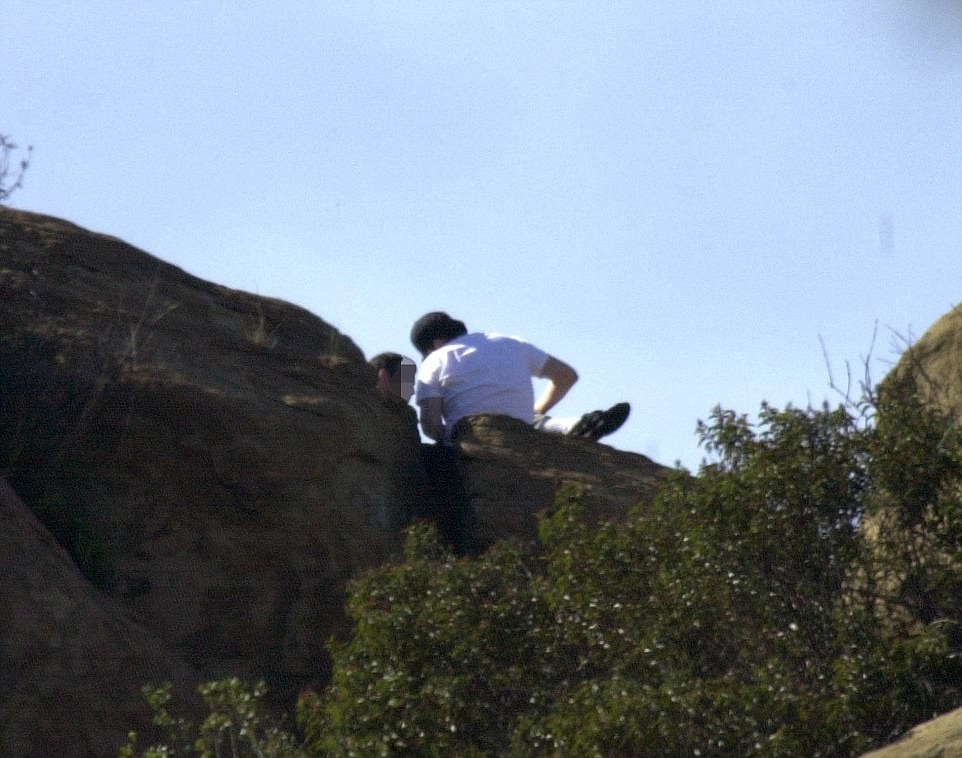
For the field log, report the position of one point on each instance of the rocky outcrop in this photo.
(939, 738)
(934, 363)
(207, 468)
(70, 658)
(190, 475)
(216, 463)
(512, 471)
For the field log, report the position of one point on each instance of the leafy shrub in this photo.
(236, 726)
(739, 614)
(447, 674)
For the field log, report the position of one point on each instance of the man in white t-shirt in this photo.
(468, 374)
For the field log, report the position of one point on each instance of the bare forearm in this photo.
(561, 377)
(550, 398)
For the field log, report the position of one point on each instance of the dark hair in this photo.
(432, 326)
(390, 361)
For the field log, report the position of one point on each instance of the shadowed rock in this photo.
(217, 465)
(71, 660)
(216, 462)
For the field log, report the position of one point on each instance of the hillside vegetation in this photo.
(799, 596)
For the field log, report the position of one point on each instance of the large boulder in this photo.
(217, 462)
(207, 468)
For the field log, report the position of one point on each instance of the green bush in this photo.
(237, 726)
(739, 614)
(799, 596)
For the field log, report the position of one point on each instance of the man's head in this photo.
(434, 326)
(395, 374)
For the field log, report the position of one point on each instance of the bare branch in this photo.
(11, 179)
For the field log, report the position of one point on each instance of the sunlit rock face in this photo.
(934, 363)
(511, 473)
(941, 737)
(194, 475)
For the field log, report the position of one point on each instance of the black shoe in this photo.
(597, 424)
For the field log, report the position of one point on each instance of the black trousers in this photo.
(447, 503)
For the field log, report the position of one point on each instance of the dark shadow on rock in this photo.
(72, 661)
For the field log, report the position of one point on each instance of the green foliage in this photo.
(444, 675)
(799, 596)
(916, 512)
(236, 726)
(746, 612)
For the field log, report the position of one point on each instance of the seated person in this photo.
(469, 374)
(443, 501)
(395, 374)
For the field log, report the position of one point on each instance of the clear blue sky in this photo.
(679, 199)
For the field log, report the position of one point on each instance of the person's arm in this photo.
(561, 377)
(432, 422)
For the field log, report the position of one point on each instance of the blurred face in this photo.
(403, 380)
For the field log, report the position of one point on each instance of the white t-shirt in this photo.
(481, 373)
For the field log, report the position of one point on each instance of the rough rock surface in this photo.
(218, 466)
(70, 658)
(938, 738)
(935, 362)
(512, 472)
